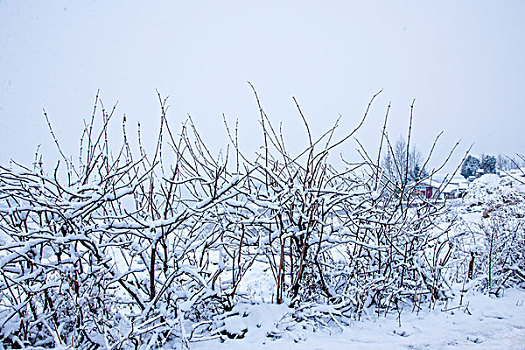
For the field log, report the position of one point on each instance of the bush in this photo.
(116, 251)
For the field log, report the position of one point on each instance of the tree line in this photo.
(490, 164)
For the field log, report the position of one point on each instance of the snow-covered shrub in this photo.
(114, 251)
(503, 260)
(117, 251)
(353, 238)
(59, 280)
(492, 247)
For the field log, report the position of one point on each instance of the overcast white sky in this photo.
(463, 62)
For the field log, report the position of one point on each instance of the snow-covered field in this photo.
(482, 322)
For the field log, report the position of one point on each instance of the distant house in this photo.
(426, 188)
(479, 173)
(452, 191)
(455, 188)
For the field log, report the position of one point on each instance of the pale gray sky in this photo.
(463, 62)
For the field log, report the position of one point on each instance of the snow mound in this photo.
(491, 189)
(234, 327)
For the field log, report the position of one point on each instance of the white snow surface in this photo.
(491, 189)
(481, 322)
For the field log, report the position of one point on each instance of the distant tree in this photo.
(488, 164)
(504, 163)
(395, 163)
(418, 173)
(388, 166)
(400, 157)
(470, 166)
(507, 163)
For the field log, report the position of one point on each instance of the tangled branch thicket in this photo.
(128, 248)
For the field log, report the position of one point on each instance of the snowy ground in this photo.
(486, 323)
